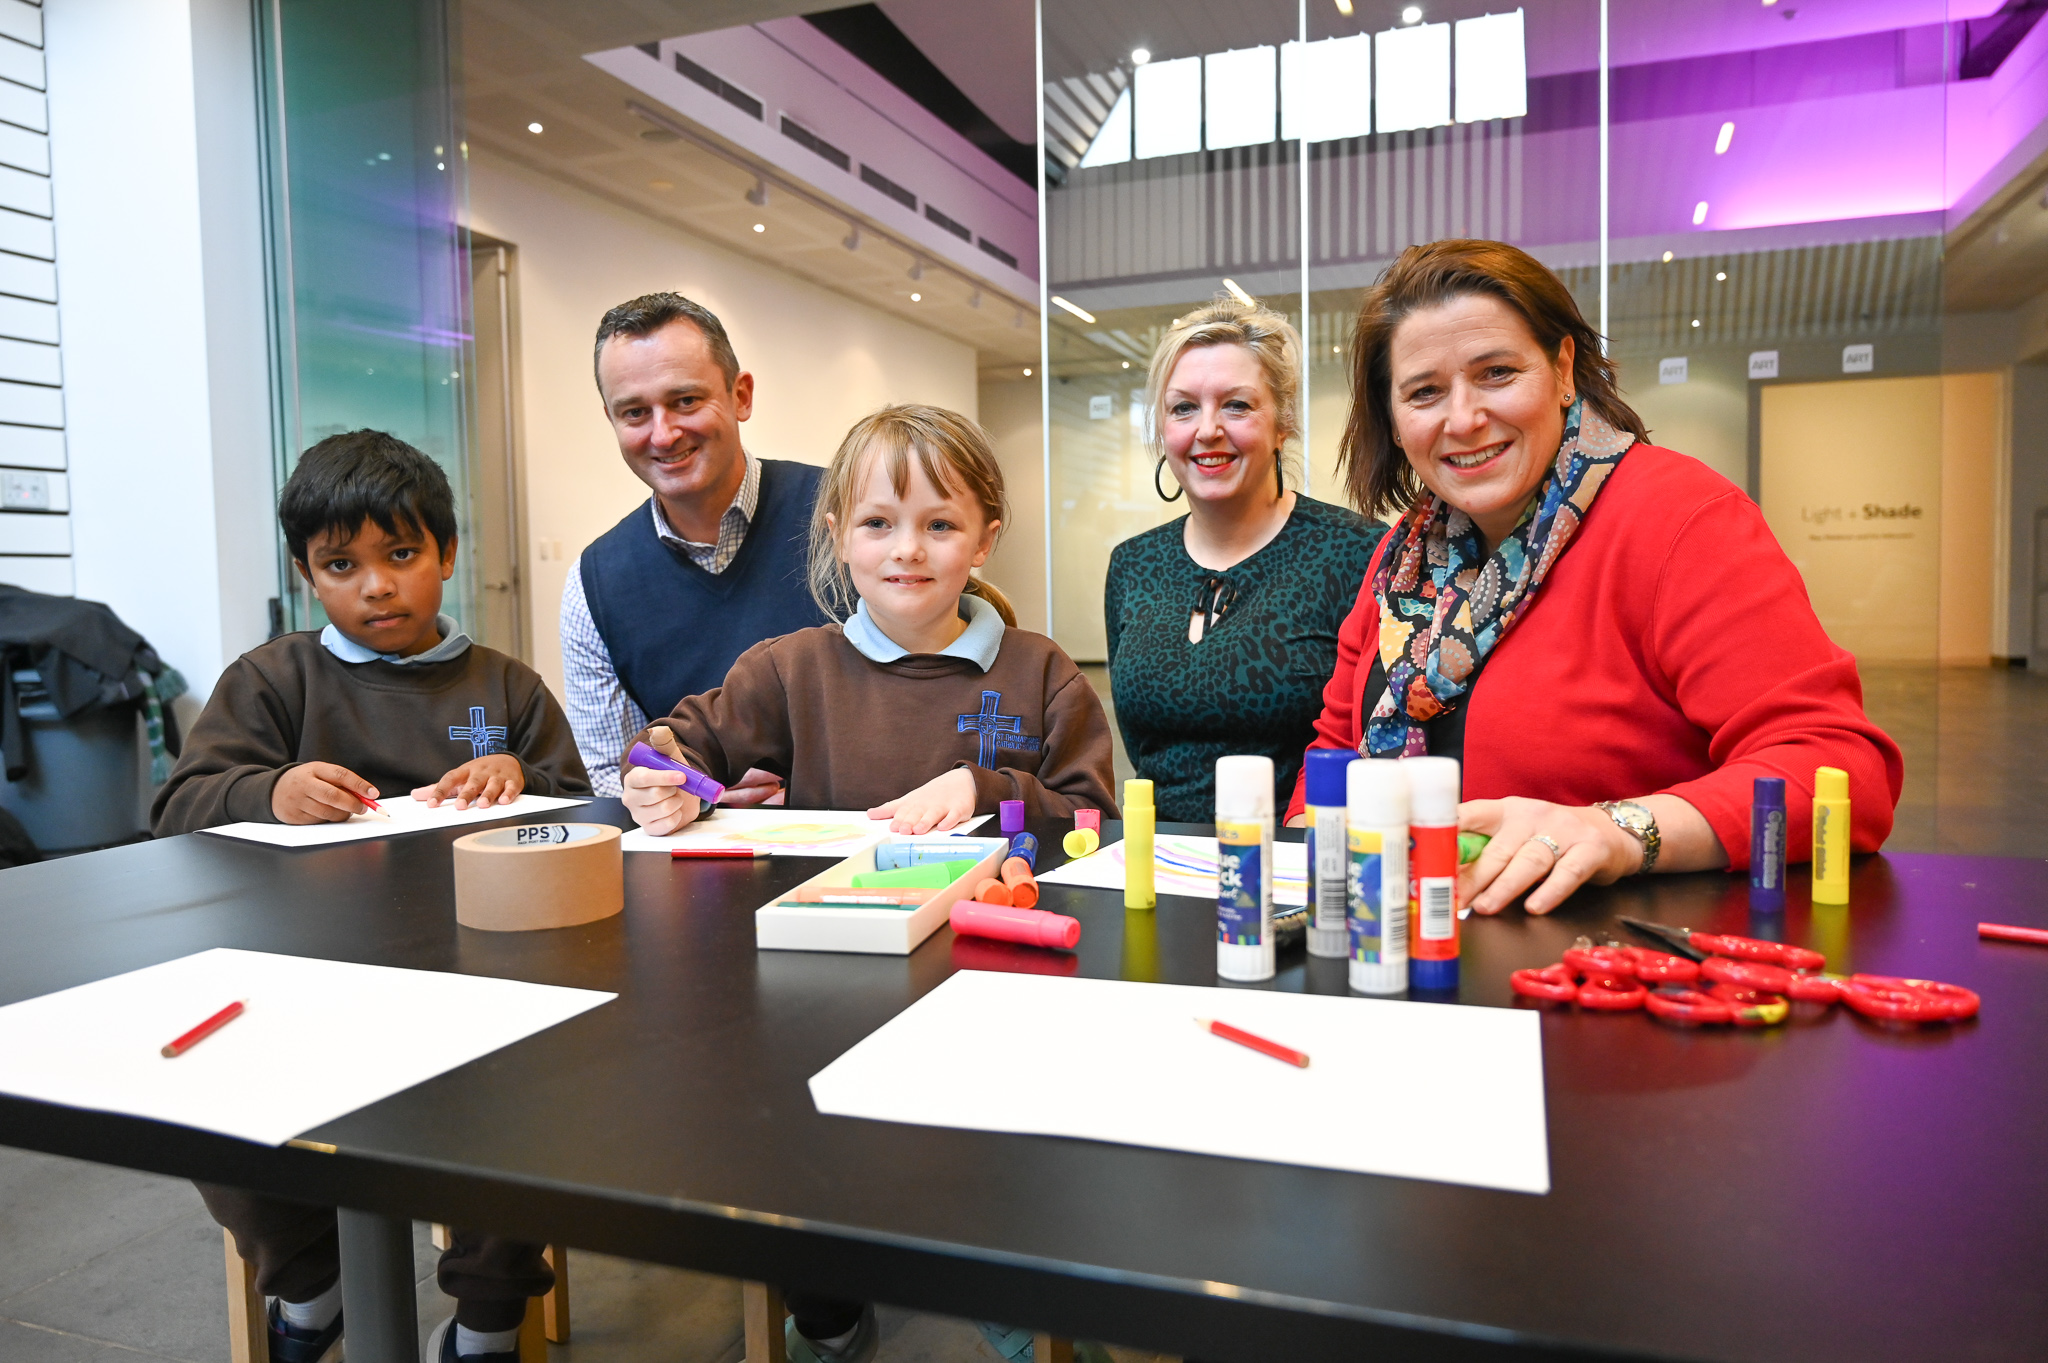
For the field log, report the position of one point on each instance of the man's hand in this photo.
(319, 792)
(935, 806)
(493, 780)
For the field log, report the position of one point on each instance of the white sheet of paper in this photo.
(319, 1039)
(1415, 1090)
(407, 816)
(783, 832)
(1185, 865)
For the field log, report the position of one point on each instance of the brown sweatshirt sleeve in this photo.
(1075, 768)
(241, 744)
(544, 743)
(743, 723)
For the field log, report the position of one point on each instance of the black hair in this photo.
(650, 312)
(346, 480)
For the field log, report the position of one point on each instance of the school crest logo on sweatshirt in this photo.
(996, 730)
(483, 739)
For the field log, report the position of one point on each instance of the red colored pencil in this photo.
(2005, 932)
(373, 806)
(717, 853)
(203, 1030)
(1257, 1043)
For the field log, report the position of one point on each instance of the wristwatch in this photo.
(1639, 823)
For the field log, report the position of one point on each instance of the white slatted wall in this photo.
(35, 498)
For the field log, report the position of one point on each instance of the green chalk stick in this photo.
(1470, 845)
(931, 875)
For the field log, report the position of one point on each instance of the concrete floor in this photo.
(107, 1266)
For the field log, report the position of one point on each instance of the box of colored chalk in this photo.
(790, 923)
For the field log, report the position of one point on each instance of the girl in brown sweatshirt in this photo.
(927, 705)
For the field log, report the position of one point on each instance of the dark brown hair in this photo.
(1374, 469)
(649, 313)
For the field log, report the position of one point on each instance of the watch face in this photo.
(1634, 817)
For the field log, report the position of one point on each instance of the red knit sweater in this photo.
(1672, 650)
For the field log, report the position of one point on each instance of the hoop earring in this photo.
(1177, 491)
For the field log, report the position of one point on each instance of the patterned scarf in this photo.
(1445, 603)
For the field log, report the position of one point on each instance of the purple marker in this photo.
(1010, 816)
(1767, 845)
(694, 781)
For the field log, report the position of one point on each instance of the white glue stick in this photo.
(1328, 861)
(1377, 799)
(1244, 868)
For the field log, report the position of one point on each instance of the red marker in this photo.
(1257, 1043)
(203, 1030)
(716, 853)
(2005, 932)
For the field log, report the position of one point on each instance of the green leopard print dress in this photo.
(1254, 684)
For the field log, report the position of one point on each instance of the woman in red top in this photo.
(1604, 632)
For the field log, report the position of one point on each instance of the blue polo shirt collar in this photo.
(454, 643)
(978, 643)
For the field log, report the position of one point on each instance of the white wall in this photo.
(1010, 413)
(159, 267)
(820, 360)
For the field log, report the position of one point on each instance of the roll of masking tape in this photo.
(538, 875)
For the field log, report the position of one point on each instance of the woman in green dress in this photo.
(1223, 623)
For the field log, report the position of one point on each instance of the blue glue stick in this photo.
(1010, 813)
(894, 856)
(1767, 845)
(694, 781)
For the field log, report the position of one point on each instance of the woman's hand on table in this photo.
(1590, 846)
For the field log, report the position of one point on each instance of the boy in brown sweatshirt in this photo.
(390, 700)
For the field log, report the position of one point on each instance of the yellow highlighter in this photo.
(1830, 836)
(1139, 817)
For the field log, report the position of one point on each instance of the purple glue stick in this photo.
(694, 781)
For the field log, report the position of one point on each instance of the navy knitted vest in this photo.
(674, 630)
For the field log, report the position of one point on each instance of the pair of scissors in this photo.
(1609, 978)
(1700, 945)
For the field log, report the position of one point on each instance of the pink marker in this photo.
(1032, 927)
(1089, 818)
(694, 781)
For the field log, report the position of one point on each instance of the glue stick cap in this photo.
(1244, 787)
(1830, 783)
(1011, 815)
(1325, 767)
(1137, 793)
(1768, 792)
(1433, 975)
(1377, 793)
(1432, 791)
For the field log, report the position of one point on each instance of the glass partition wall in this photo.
(1750, 199)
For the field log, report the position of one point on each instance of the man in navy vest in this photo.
(713, 563)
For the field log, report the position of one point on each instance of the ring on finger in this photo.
(1556, 852)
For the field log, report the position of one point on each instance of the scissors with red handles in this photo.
(1700, 945)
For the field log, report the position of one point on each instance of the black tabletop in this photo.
(1831, 1189)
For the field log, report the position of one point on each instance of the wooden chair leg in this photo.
(764, 1311)
(1051, 1349)
(533, 1340)
(555, 1305)
(248, 1329)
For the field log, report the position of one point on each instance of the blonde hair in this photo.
(1225, 320)
(953, 451)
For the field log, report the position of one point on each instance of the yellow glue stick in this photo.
(1830, 836)
(1138, 821)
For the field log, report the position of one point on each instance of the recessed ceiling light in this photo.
(533, 127)
(1695, 321)
(1699, 212)
(1720, 276)
(1667, 257)
(1140, 55)
(1336, 350)
(1412, 14)
(1723, 139)
(1127, 364)
(760, 227)
(1344, 8)
(917, 298)
(1027, 373)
